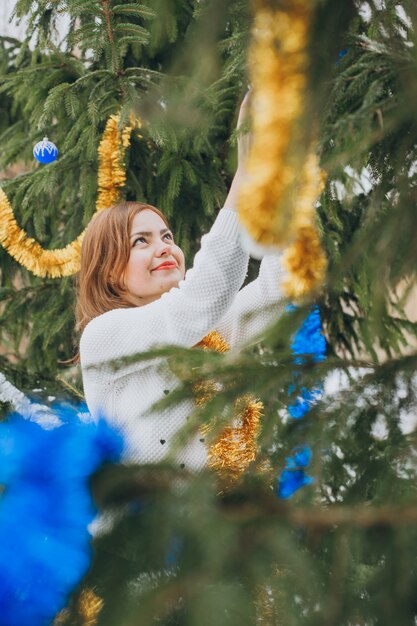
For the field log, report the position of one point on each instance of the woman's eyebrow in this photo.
(149, 233)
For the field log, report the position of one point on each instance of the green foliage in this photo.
(369, 123)
(115, 57)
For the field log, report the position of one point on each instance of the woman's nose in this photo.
(163, 248)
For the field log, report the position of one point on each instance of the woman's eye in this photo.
(144, 240)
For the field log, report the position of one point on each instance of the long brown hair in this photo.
(104, 255)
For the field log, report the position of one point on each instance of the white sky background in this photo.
(18, 31)
(12, 30)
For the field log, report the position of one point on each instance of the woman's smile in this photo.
(166, 265)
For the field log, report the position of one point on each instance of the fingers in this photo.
(244, 107)
(246, 98)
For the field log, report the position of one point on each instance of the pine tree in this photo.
(342, 550)
(116, 58)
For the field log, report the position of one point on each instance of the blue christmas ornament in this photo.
(45, 510)
(305, 399)
(294, 475)
(45, 151)
(307, 345)
(309, 339)
(301, 458)
(290, 481)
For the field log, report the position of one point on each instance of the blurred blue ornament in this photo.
(45, 510)
(45, 151)
(290, 481)
(341, 54)
(305, 399)
(307, 345)
(309, 340)
(301, 458)
(294, 476)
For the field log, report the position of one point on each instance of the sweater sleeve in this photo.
(257, 305)
(182, 316)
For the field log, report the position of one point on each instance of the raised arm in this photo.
(256, 306)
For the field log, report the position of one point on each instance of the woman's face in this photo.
(155, 263)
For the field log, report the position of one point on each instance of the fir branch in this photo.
(323, 518)
(138, 10)
(107, 17)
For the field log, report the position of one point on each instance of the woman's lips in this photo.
(165, 266)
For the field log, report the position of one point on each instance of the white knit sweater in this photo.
(207, 299)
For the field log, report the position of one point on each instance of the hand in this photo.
(243, 146)
(245, 139)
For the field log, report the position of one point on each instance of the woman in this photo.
(134, 295)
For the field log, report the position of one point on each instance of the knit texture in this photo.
(208, 298)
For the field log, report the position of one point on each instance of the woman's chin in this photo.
(170, 284)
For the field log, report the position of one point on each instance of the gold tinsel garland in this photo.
(66, 261)
(304, 258)
(236, 447)
(88, 608)
(111, 173)
(305, 263)
(277, 64)
(276, 205)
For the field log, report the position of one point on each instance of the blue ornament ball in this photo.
(45, 151)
